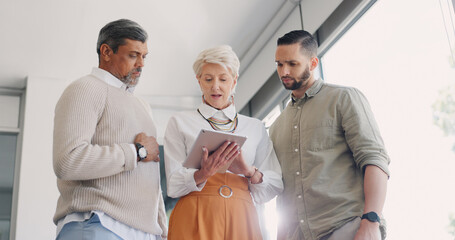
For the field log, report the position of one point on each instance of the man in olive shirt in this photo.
(334, 163)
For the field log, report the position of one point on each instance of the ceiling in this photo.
(57, 38)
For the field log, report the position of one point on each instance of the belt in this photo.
(223, 191)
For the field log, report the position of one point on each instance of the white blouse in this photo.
(181, 133)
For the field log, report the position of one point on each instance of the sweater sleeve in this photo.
(75, 122)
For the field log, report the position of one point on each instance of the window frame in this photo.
(18, 131)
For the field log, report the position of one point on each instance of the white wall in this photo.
(38, 192)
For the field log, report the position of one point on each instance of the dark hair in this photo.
(307, 42)
(115, 33)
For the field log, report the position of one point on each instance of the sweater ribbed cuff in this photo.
(130, 157)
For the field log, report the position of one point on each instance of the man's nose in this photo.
(285, 70)
(140, 62)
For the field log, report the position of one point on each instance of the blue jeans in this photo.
(87, 230)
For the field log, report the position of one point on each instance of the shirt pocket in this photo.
(318, 137)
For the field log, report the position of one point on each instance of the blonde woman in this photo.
(207, 209)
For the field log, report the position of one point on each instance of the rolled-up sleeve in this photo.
(362, 132)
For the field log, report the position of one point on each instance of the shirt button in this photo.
(300, 196)
(301, 221)
(297, 173)
(296, 150)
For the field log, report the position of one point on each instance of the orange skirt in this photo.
(222, 210)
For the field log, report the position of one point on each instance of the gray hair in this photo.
(115, 33)
(222, 55)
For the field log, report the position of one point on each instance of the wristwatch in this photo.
(141, 151)
(372, 217)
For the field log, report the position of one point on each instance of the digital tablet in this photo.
(211, 140)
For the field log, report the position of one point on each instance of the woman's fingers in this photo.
(222, 148)
(232, 160)
(230, 150)
(216, 154)
(222, 151)
(228, 156)
(226, 153)
(205, 154)
(233, 153)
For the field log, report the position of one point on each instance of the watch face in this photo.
(142, 152)
(372, 217)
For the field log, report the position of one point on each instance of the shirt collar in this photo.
(311, 92)
(208, 111)
(110, 79)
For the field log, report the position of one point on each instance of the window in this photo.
(404, 62)
(7, 160)
(9, 106)
(401, 60)
(272, 116)
(10, 102)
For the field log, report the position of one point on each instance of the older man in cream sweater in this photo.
(105, 151)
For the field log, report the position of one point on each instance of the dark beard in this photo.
(297, 84)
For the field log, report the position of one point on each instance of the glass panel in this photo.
(169, 202)
(401, 60)
(271, 117)
(7, 160)
(9, 109)
(4, 229)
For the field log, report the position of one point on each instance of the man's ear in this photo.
(314, 63)
(105, 52)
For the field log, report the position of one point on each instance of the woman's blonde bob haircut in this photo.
(222, 55)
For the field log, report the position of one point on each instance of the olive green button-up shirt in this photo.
(323, 142)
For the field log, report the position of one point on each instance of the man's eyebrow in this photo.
(285, 61)
(138, 53)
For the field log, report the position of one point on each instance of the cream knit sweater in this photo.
(95, 166)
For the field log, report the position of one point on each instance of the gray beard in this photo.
(129, 81)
